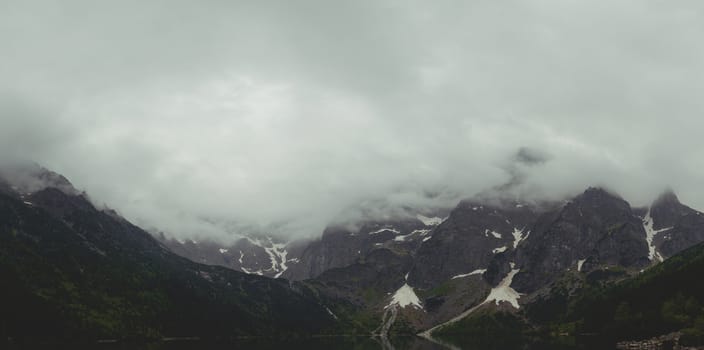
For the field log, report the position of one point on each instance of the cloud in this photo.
(204, 119)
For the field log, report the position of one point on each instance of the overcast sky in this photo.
(184, 114)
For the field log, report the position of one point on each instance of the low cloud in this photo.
(205, 120)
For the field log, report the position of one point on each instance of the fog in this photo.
(201, 119)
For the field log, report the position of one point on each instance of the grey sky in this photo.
(183, 113)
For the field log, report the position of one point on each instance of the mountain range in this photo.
(73, 271)
(537, 268)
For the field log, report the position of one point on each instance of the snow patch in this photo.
(475, 272)
(504, 292)
(427, 238)
(493, 233)
(499, 250)
(385, 229)
(330, 312)
(518, 237)
(427, 221)
(222, 250)
(405, 296)
(251, 272)
(28, 203)
(580, 263)
(650, 233)
(403, 238)
(241, 256)
(277, 253)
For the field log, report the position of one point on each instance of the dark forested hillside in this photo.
(666, 298)
(71, 271)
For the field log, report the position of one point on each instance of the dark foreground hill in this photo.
(668, 297)
(69, 271)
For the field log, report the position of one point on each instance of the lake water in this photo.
(318, 343)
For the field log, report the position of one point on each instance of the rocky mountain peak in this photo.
(597, 195)
(667, 198)
(596, 227)
(595, 206)
(666, 210)
(26, 178)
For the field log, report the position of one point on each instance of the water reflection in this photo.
(342, 343)
(319, 343)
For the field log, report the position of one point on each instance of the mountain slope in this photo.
(675, 226)
(258, 255)
(341, 246)
(594, 229)
(72, 271)
(665, 298)
(593, 288)
(469, 239)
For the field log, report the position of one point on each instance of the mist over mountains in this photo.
(286, 117)
(374, 174)
(77, 272)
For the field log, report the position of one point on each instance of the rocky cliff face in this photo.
(343, 246)
(595, 229)
(470, 238)
(255, 254)
(482, 243)
(675, 226)
(379, 271)
(301, 259)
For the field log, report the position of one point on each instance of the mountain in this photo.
(342, 246)
(594, 230)
(592, 266)
(254, 254)
(470, 238)
(410, 274)
(302, 259)
(674, 226)
(666, 298)
(70, 270)
(500, 255)
(487, 266)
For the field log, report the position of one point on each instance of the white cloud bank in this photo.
(184, 115)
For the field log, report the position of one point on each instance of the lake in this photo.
(314, 343)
